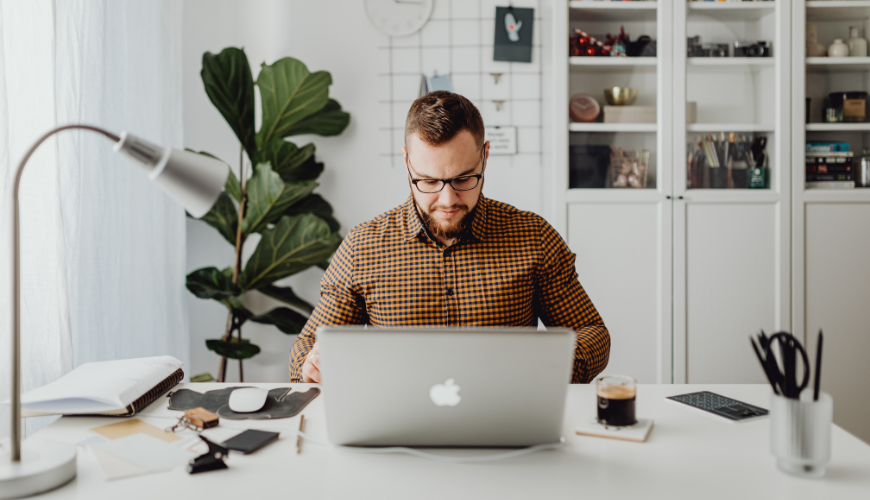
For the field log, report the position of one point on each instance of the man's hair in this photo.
(438, 116)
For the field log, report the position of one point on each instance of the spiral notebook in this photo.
(118, 388)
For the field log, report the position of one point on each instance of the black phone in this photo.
(736, 411)
(250, 441)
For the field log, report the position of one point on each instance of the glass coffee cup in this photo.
(616, 396)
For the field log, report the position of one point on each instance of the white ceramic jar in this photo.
(857, 45)
(838, 49)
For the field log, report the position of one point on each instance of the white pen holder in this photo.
(800, 434)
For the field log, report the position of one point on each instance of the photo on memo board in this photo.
(513, 34)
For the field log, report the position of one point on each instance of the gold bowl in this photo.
(620, 96)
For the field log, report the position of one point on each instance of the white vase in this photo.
(857, 45)
(838, 49)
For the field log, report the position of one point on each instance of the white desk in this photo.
(688, 455)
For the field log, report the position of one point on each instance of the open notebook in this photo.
(120, 388)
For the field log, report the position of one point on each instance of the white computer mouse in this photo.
(247, 399)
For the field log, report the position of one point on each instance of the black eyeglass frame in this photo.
(444, 182)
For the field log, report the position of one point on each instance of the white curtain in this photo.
(103, 250)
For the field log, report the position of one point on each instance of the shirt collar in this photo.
(414, 224)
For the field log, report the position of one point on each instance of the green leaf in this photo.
(202, 377)
(286, 295)
(289, 93)
(230, 87)
(330, 120)
(285, 157)
(233, 349)
(287, 320)
(224, 217)
(210, 283)
(269, 197)
(309, 170)
(315, 204)
(233, 187)
(296, 243)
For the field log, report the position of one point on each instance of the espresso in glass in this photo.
(616, 395)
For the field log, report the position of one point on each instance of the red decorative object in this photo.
(584, 45)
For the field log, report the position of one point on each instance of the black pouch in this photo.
(279, 404)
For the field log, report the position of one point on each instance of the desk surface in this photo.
(688, 455)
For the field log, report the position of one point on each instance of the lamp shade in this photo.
(193, 180)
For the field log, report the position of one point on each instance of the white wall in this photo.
(359, 182)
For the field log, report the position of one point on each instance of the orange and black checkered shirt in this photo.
(509, 269)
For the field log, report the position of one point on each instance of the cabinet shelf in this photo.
(589, 10)
(838, 127)
(730, 62)
(612, 61)
(733, 11)
(729, 127)
(855, 195)
(837, 64)
(837, 10)
(606, 195)
(613, 127)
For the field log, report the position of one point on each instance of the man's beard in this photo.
(446, 231)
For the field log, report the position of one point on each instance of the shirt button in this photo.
(449, 291)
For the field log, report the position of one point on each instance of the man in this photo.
(451, 257)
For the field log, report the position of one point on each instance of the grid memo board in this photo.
(458, 40)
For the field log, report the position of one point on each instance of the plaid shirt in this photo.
(509, 269)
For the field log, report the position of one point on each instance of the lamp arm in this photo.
(15, 405)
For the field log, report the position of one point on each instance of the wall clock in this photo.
(399, 17)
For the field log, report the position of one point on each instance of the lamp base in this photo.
(44, 466)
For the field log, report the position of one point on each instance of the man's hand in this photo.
(311, 366)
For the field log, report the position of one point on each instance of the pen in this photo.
(818, 377)
(298, 437)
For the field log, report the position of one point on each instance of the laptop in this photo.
(501, 387)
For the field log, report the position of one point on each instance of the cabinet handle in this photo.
(668, 197)
(679, 197)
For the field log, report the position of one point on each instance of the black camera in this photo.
(694, 48)
(751, 49)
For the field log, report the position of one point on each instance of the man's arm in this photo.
(340, 304)
(562, 302)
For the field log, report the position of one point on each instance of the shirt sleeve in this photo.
(562, 302)
(340, 304)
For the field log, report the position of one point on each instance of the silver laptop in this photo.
(444, 387)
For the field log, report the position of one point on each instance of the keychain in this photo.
(196, 419)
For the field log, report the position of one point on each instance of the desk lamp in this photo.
(194, 181)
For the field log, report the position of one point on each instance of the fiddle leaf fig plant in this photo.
(276, 200)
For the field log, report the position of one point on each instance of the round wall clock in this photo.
(399, 17)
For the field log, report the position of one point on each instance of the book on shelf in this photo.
(830, 185)
(118, 388)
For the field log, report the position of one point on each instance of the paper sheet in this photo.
(115, 468)
(145, 451)
(133, 426)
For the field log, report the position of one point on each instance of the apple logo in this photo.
(446, 394)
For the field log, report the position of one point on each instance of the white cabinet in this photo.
(621, 237)
(831, 237)
(682, 276)
(731, 246)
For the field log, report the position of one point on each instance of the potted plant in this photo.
(275, 200)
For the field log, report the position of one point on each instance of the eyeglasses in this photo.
(461, 183)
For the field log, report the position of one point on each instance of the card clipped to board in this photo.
(502, 140)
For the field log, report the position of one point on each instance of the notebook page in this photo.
(101, 386)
